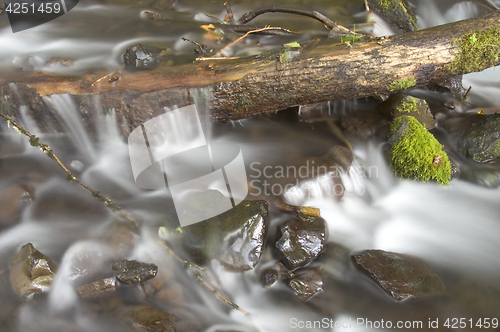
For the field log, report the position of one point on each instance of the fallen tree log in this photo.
(245, 87)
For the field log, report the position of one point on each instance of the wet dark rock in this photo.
(134, 272)
(269, 277)
(401, 104)
(13, 200)
(31, 272)
(302, 240)
(452, 84)
(139, 57)
(145, 318)
(97, 288)
(397, 13)
(477, 136)
(401, 276)
(307, 283)
(235, 238)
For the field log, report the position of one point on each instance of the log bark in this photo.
(275, 80)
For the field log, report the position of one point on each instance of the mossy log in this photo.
(245, 87)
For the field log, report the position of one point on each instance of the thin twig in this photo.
(198, 276)
(244, 36)
(184, 262)
(217, 58)
(35, 141)
(332, 25)
(230, 16)
(282, 206)
(278, 9)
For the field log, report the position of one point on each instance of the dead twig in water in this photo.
(198, 276)
(332, 25)
(282, 206)
(246, 34)
(230, 17)
(35, 141)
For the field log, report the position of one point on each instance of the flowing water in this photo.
(453, 228)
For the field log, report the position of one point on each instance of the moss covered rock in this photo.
(415, 153)
(401, 104)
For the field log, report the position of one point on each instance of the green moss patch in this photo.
(477, 51)
(402, 84)
(416, 153)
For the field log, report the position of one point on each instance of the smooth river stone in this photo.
(235, 238)
(401, 276)
(302, 240)
(31, 272)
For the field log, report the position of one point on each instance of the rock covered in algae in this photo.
(235, 238)
(31, 272)
(415, 153)
(302, 240)
(140, 57)
(401, 104)
(401, 276)
(134, 272)
(477, 136)
(146, 318)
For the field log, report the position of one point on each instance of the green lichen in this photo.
(284, 57)
(477, 51)
(386, 4)
(410, 106)
(417, 154)
(402, 84)
(290, 45)
(243, 102)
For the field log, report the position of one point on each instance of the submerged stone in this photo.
(477, 136)
(415, 153)
(307, 283)
(401, 276)
(134, 272)
(13, 200)
(58, 61)
(235, 238)
(139, 57)
(401, 104)
(31, 272)
(97, 288)
(302, 240)
(145, 318)
(269, 277)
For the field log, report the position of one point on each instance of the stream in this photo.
(453, 228)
